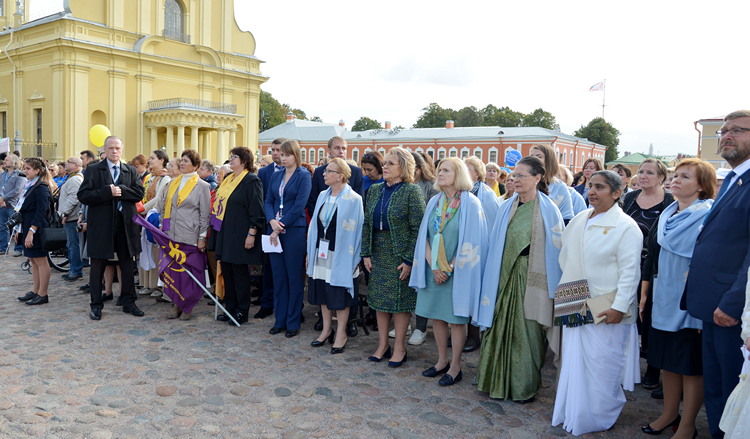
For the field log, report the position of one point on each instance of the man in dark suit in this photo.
(336, 149)
(715, 289)
(265, 173)
(110, 189)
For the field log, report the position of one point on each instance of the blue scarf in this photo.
(490, 202)
(558, 193)
(676, 234)
(349, 219)
(483, 305)
(472, 239)
(579, 204)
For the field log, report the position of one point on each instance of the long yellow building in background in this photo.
(161, 74)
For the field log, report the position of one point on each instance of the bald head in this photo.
(73, 164)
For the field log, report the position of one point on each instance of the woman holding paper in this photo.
(520, 277)
(598, 360)
(236, 218)
(184, 209)
(675, 336)
(284, 207)
(334, 239)
(448, 265)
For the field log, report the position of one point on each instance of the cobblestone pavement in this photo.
(65, 376)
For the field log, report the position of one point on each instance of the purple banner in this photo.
(174, 259)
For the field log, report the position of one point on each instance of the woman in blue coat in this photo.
(284, 207)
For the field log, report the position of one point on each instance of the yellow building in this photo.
(708, 141)
(171, 74)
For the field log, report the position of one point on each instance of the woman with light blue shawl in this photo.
(518, 285)
(334, 238)
(558, 191)
(448, 264)
(675, 336)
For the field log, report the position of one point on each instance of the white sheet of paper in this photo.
(270, 248)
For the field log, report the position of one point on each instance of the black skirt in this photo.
(677, 352)
(335, 298)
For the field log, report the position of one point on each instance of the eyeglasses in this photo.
(329, 171)
(519, 176)
(736, 131)
(233, 156)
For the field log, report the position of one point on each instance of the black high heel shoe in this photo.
(335, 350)
(398, 363)
(387, 354)
(317, 343)
(674, 424)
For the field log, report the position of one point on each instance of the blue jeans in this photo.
(5, 213)
(74, 251)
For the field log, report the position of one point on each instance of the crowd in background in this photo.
(602, 267)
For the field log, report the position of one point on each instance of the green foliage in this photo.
(469, 117)
(501, 117)
(271, 112)
(365, 123)
(603, 133)
(434, 116)
(540, 118)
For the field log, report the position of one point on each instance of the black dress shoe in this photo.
(84, 287)
(106, 297)
(472, 345)
(132, 309)
(275, 330)
(28, 296)
(448, 380)
(241, 318)
(223, 318)
(650, 381)
(70, 278)
(319, 324)
(291, 333)
(432, 372)
(263, 313)
(95, 314)
(38, 300)
(337, 350)
(398, 363)
(375, 359)
(658, 393)
(674, 424)
(316, 344)
(351, 329)
(119, 300)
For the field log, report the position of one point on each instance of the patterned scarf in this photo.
(443, 215)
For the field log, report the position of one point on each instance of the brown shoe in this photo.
(174, 313)
(185, 316)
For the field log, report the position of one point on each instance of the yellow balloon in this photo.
(97, 134)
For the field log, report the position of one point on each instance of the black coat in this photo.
(244, 210)
(34, 211)
(95, 192)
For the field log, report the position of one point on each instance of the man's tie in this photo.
(116, 173)
(277, 167)
(725, 185)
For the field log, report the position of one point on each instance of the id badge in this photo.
(323, 249)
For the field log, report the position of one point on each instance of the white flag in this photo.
(599, 86)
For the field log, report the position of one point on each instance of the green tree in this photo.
(603, 133)
(299, 114)
(540, 118)
(364, 123)
(469, 117)
(272, 113)
(434, 116)
(501, 117)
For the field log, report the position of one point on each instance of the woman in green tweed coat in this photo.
(393, 213)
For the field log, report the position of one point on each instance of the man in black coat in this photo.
(110, 189)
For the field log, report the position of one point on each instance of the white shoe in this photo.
(155, 293)
(144, 292)
(392, 333)
(417, 338)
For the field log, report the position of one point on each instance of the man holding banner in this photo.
(110, 189)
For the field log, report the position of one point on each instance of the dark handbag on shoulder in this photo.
(53, 237)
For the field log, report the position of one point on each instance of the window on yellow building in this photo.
(4, 119)
(173, 21)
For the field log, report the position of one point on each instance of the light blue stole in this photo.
(559, 194)
(490, 203)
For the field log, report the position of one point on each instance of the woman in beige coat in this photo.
(184, 209)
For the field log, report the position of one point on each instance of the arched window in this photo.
(174, 23)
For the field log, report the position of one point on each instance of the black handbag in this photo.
(53, 237)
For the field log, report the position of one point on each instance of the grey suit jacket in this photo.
(189, 220)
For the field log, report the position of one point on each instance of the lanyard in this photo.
(329, 212)
(281, 195)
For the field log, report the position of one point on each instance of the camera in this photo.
(79, 228)
(13, 221)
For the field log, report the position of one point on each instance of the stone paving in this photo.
(65, 376)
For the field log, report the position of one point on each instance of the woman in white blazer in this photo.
(601, 245)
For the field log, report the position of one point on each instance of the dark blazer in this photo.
(296, 193)
(265, 174)
(244, 210)
(318, 185)
(718, 270)
(34, 211)
(95, 192)
(580, 189)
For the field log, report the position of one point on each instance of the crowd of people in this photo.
(599, 273)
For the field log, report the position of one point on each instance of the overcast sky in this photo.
(667, 63)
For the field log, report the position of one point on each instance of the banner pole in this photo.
(216, 302)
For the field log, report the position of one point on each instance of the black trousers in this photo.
(127, 281)
(236, 287)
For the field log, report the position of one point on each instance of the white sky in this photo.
(667, 63)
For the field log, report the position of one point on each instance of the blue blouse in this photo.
(380, 216)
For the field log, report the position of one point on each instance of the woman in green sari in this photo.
(526, 232)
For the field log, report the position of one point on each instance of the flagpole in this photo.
(604, 94)
(231, 317)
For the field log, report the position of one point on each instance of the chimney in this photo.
(388, 124)
(290, 117)
(341, 123)
(449, 124)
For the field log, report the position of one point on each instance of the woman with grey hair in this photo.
(600, 344)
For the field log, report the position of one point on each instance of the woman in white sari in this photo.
(598, 360)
